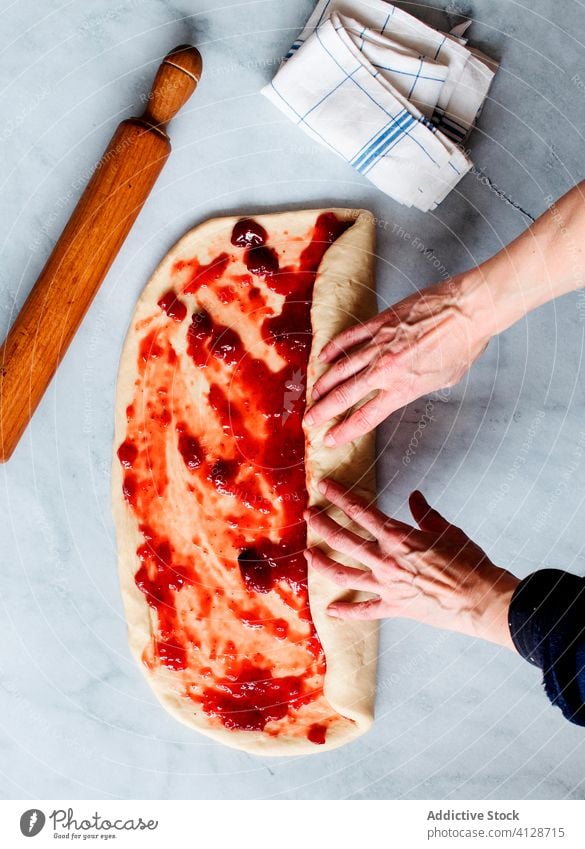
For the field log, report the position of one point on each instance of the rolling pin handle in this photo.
(175, 82)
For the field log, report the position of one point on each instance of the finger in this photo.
(371, 609)
(354, 335)
(339, 400)
(365, 419)
(363, 514)
(339, 538)
(343, 576)
(427, 518)
(347, 366)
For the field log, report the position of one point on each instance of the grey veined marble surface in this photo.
(501, 455)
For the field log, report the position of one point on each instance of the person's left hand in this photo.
(436, 574)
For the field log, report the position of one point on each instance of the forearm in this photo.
(544, 262)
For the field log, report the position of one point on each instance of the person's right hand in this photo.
(424, 343)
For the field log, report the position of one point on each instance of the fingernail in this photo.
(315, 394)
(329, 439)
(332, 612)
(322, 355)
(309, 417)
(308, 555)
(322, 487)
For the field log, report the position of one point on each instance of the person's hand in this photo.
(422, 344)
(436, 574)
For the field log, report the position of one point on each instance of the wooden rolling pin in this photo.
(102, 219)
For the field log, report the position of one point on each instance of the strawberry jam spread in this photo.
(213, 472)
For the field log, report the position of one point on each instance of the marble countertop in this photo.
(500, 454)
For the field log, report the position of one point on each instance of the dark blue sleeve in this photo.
(547, 624)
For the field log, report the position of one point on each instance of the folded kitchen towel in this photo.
(392, 96)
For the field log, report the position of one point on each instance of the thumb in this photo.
(426, 517)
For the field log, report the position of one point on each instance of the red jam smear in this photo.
(205, 275)
(230, 595)
(262, 261)
(174, 308)
(248, 233)
(189, 447)
(251, 699)
(317, 734)
(127, 454)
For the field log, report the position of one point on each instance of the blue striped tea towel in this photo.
(389, 94)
